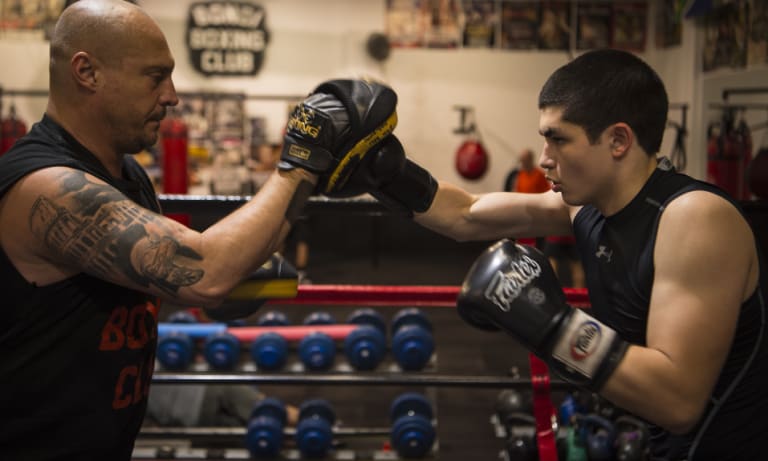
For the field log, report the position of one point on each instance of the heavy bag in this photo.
(12, 129)
(175, 139)
(757, 174)
(471, 159)
(729, 152)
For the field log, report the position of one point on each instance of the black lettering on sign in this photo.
(227, 37)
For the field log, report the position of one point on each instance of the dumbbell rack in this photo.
(410, 296)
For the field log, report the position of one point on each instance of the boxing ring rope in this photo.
(352, 379)
(396, 296)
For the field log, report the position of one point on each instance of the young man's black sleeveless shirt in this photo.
(617, 253)
(76, 356)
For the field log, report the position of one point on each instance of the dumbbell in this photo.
(598, 435)
(314, 432)
(176, 350)
(264, 436)
(412, 342)
(319, 318)
(270, 350)
(512, 402)
(366, 345)
(182, 316)
(221, 350)
(272, 319)
(631, 439)
(412, 434)
(521, 442)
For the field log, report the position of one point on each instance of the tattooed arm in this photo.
(57, 222)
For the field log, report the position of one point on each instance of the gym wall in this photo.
(311, 41)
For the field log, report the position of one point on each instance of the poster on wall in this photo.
(480, 23)
(519, 25)
(226, 38)
(554, 25)
(669, 23)
(629, 25)
(405, 25)
(442, 20)
(29, 18)
(594, 25)
(757, 42)
(725, 38)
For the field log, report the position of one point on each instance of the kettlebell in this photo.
(631, 439)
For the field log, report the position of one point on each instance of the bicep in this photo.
(702, 263)
(77, 221)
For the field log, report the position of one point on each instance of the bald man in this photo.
(85, 254)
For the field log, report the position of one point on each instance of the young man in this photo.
(84, 252)
(676, 332)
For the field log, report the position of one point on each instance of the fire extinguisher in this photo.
(729, 152)
(175, 138)
(12, 129)
(471, 156)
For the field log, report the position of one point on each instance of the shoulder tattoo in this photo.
(96, 228)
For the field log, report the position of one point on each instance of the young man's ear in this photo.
(621, 138)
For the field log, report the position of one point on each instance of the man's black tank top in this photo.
(76, 356)
(617, 254)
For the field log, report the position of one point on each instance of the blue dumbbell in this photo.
(175, 351)
(314, 432)
(368, 316)
(317, 351)
(412, 434)
(183, 316)
(319, 318)
(365, 346)
(272, 319)
(412, 341)
(269, 351)
(222, 351)
(264, 436)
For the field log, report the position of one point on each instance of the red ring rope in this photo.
(398, 295)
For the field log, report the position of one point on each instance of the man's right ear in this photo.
(83, 70)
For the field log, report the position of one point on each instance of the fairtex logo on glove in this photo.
(301, 121)
(585, 340)
(506, 286)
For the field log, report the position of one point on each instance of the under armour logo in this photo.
(603, 250)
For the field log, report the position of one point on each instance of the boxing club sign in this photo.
(226, 37)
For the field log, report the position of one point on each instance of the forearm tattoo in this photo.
(96, 228)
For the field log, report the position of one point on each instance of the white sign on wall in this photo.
(226, 37)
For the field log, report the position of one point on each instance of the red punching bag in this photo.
(471, 159)
(174, 134)
(12, 129)
(729, 152)
(471, 156)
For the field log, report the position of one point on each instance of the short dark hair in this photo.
(606, 86)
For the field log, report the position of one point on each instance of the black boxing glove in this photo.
(513, 288)
(394, 180)
(332, 130)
